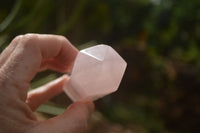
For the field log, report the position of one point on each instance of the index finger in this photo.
(27, 57)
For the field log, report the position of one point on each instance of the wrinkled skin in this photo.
(19, 63)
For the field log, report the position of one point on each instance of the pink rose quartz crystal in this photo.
(97, 72)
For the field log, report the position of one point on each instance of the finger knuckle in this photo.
(63, 39)
(17, 38)
(28, 39)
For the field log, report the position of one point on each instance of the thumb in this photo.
(73, 120)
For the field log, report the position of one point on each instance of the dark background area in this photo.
(159, 39)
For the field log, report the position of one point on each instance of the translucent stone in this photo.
(97, 72)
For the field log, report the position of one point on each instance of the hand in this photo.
(19, 63)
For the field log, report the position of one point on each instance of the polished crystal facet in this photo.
(97, 72)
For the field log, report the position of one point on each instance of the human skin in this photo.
(19, 63)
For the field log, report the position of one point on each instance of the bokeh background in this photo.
(159, 39)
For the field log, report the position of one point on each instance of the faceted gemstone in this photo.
(97, 72)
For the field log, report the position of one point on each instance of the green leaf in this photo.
(43, 81)
(51, 109)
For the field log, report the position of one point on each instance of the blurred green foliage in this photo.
(159, 39)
